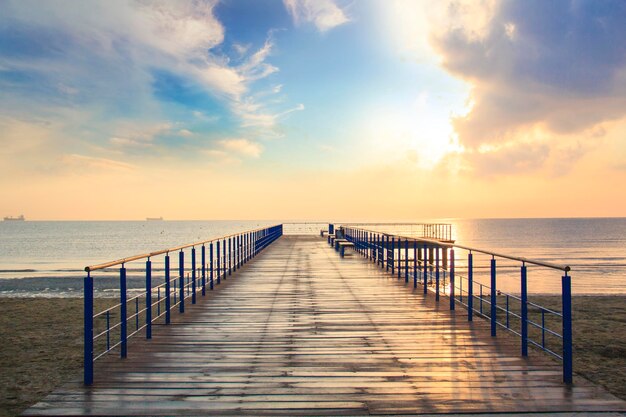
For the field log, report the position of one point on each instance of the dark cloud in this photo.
(557, 63)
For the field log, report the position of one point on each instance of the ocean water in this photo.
(41, 258)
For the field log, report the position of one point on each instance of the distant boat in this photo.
(152, 218)
(19, 218)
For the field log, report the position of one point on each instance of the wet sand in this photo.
(42, 344)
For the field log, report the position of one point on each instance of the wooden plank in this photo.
(300, 331)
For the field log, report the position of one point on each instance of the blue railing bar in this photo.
(538, 346)
(163, 251)
(545, 329)
(116, 325)
(547, 310)
(440, 243)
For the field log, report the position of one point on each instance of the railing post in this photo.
(223, 260)
(393, 255)
(211, 266)
(218, 262)
(168, 303)
(493, 312)
(415, 264)
(193, 275)
(181, 274)
(399, 257)
(437, 273)
(406, 261)
(426, 268)
(148, 299)
(386, 252)
(566, 284)
(123, 314)
(470, 286)
(452, 279)
(88, 330)
(203, 270)
(524, 311)
(230, 256)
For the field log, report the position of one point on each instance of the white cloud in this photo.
(242, 146)
(109, 50)
(185, 133)
(324, 14)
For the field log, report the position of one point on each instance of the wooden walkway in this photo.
(299, 330)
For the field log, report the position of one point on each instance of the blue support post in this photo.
(168, 302)
(393, 255)
(223, 260)
(218, 262)
(406, 261)
(415, 264)
(148, 299)
(386, 253)
(452, 279)
(123, 314)
(493, 297)
(470, 286)
(211, 266)
(399, 257)
(88, 330)
(425, 269)
(181, 278)
(193, 275)
(203, 270)
(236, 253)
(230, 256)
(524, 311)
(437, 273)
(566, 285)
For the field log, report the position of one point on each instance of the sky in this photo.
(312, 109)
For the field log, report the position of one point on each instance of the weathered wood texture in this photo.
(301, 331)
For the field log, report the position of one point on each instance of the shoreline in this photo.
(43, 340)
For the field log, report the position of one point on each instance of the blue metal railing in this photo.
(434, 265)
(156, 302)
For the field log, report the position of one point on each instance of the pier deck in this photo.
(299, 330)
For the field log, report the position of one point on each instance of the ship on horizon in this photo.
(19, 218)
(154, 218)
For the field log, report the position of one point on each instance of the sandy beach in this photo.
(42, 345)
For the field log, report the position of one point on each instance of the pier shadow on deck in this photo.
(299, 330)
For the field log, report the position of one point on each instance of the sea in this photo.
(47, 258)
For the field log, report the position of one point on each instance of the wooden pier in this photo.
(299, 330)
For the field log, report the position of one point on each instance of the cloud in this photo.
(324, 14)
(105, 55)
(90, 163)
(553, 65)
(242, 147)
(136, 135)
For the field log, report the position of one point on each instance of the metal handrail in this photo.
(166, 251)
(444, 244)
(386, 250)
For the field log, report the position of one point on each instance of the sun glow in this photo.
(420, 134)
